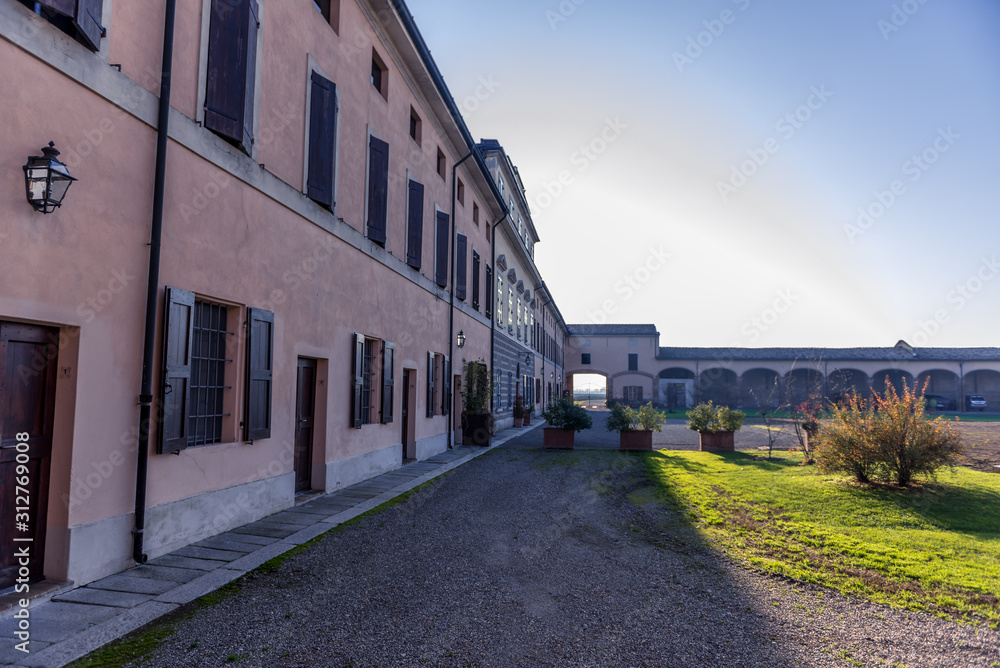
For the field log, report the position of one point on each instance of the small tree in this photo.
(887, 438)
(768, 402)
(805, 421)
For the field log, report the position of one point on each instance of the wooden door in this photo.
(27, 405)
(406, 410)
(305, 412)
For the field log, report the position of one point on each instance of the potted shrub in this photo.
(528, 412)
(518, 411)
(477, 420)
(715, 426)
(635, 427)
(564, 419)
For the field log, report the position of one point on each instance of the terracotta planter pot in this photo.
(518, 422)
(638, 439)
(527, 420)
(555, 437)
(478, 430)
(720, 441)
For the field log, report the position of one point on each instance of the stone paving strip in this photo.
(71, 624)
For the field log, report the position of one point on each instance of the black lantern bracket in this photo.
(46, 180)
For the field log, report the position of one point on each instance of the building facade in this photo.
(326, 236)
(528, 330)
(639, 370)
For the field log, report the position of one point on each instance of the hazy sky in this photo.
(750, 173)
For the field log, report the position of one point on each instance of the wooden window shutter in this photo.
(231, 75)
(441, 261)
(461, 266)
(446, 389)
(260, 358)
(388, 383)
(475, 280)
(178, 330)
(415, 224)
(489, 291)
(322, 126)
(87, 21)
(64, 7)
(430, 384)
(378, 190)
(359, 360)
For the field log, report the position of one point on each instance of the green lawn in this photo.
(933, 547)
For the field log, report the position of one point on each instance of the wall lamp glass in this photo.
(46, 180)
(461, 338)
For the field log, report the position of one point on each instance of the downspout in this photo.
(451, 310)
(152, 286)
(541, 344)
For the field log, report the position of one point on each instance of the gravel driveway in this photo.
(525, 557)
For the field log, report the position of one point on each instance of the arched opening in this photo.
(986, 384)
(590, 389)
(801, 385)
(719, 386)
(761, 389)
(844, 382)
(895, 377)
(675, 389)
(940, 386)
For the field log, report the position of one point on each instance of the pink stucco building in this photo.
(326, 231)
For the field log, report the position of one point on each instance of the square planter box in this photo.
(557, 438)
(720, 441)
(637, 439)
(478, 431)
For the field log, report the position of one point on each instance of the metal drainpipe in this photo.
(153, 285)
(451, 311)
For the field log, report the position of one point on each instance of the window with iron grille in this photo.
(367, 381)
(208, 374)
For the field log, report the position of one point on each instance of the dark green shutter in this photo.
(441, 261)
(415, 224)
(231, 72)
(65, 7)
(378, 188)
(322, 126)
(359, 360)
(178, 330)
(430, 384)
(461, 266)
(388, 382)
(446, 390)
(87, 20)
(260, 350)
(475, 280)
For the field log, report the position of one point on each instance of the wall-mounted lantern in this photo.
(46, 180)
(461, 338)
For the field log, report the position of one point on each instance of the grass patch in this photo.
(932, 547)
(131, 648)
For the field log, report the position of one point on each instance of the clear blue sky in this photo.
(731, 149)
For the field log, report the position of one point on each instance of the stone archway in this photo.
(895, 377)
(844, 382)
(802, 385)
(718, 385)
(761, 388)
(940, 383)
(675, 388)
(985, 383)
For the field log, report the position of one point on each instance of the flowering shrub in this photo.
(887, 438)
